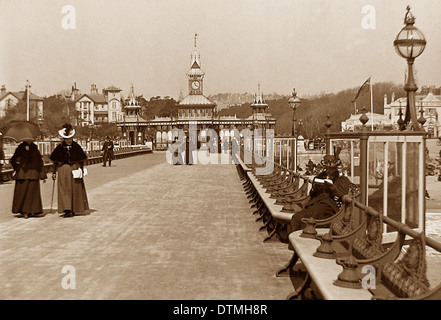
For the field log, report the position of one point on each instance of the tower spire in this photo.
(132, 97)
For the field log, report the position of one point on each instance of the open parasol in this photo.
(20, 130)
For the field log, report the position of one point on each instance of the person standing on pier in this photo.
(29, 170)
(2, 161)
(108, 152)
(67, 157)
(179, 147)
(189, 145)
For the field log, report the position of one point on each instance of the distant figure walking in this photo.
(2, 161)
(67, 157)
(189, 144)
(178, 146)
(29, 170)
(108, 152)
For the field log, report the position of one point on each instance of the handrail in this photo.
(93, 157)
(401, 227)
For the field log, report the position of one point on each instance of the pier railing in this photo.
(93, 157)
(357, 248)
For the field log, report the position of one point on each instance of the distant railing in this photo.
(93, 157)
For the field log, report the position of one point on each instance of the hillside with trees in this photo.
(157, 106)
(313, 110)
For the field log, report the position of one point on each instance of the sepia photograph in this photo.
(220, 155)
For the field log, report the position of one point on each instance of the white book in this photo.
(322, 181)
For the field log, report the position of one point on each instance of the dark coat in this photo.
(27, 162)
(108, 150)
(72, 194)
(324, 200)
(64, 154)
(29, 168)
(324, 194)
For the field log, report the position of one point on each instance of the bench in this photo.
(276, 216)
(330, 254)
(320, 273)
(397, 275)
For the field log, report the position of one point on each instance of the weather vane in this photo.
(195, 38)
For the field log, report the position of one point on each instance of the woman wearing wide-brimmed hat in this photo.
(29, 170)
(67, 157)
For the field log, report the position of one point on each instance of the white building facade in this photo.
(96, 108)
(9, 99)
(428, 101)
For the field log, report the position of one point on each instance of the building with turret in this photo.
(196, 110)
(428, 108)
(96, 108)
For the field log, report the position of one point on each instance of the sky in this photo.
(316, 46)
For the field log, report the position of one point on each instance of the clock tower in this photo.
(195, 75)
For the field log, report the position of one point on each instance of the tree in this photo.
(314, 109)
(107, 129)
(17, 112)
(166, 107)
(57, 111)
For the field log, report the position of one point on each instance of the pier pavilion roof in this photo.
(193, 100)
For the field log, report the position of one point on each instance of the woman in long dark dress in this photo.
(29, 170)
(324, 196)
(68, 156)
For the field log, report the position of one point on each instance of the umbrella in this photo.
(20, 130)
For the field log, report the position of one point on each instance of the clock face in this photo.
(195, 85)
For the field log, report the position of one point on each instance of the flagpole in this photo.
(372, 106)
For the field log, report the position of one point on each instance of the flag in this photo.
(368, 81)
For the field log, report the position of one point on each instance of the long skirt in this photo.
(321, 209)
(27, 197)
(72, 194)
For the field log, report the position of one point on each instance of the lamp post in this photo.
(40, 122)
(294, 103)
(28, 87)
(409, 44)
